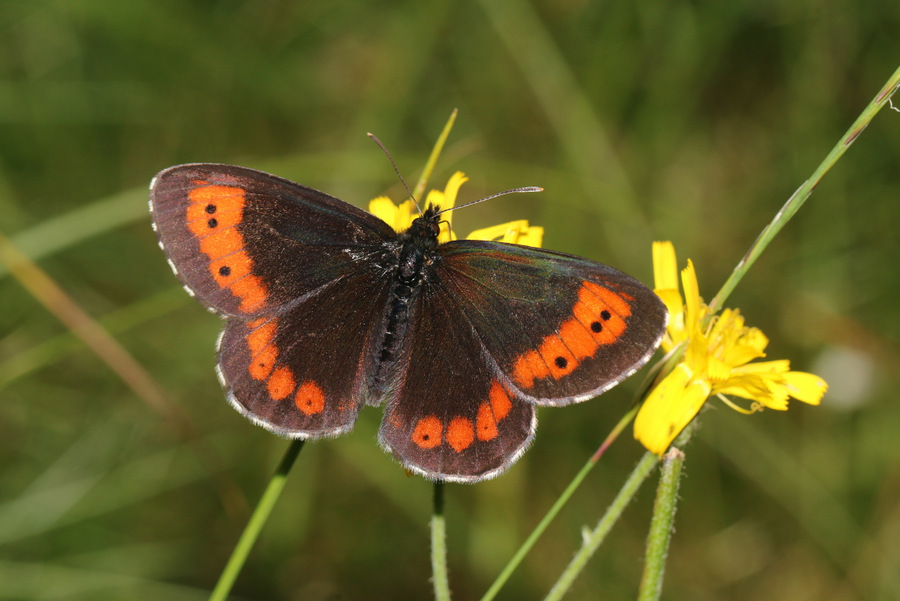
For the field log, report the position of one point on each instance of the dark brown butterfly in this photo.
(329, 309)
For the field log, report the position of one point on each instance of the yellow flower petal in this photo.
(665, 266)
(447, 199)
(398, 217)
(383, 208)
(697, 354)
(748, 386)
(452, 188)
(513, 232)
(779, 366)
(692, 299)
(719, 370)
(805, 387)
(665, 278)
(533, 236)
(669, 408)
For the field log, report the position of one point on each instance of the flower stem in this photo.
(257, 521)
(419, 189)
(557, 506)
(803, 192)
(439, 546)
(661, 525)
(596, 536)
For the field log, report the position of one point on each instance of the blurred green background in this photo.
(686, 121)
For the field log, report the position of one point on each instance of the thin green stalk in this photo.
(257, 521)
(419, 190)
(555, 509)
(439, 546)
(595, 537)
(799, 197)
(661, 525)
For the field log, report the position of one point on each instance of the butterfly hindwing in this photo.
(303, 372)
(451, 417)
(560, 328)
(246, 242)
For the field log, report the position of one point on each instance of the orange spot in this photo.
(221, 242)
(281, 383)
(310, 398)
(485, 423)
(557, 357)
(227, 203)
(460, 433)
(251, 292)
(261, 363)
(599, 306)
(428, 432)
(613, 301)
(231, 268)
(578, 339)
(261, 334)
(214, 208)
(263, 353)
(500, 401)
(528, 367)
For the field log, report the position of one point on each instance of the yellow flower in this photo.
(717, 360)
(401, 217)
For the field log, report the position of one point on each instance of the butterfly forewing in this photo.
(246, 242)
(561, 328)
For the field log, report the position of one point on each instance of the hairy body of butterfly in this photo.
(329, 309)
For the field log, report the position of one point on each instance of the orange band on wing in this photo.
(598, 318)
(493, 410)
(213, 215)
(263, 352)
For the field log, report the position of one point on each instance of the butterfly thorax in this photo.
(417, 245)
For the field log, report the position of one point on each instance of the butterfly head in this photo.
(425, 228)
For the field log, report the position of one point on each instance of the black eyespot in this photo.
(605, 315)
(596, 327)
(210, 209)
(561, 362)
(212, 223)
(225, 271)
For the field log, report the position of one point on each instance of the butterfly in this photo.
(329, 309)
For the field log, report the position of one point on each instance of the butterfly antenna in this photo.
(504, 193)
(396, 170)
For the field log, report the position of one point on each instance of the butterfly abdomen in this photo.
(414, 254)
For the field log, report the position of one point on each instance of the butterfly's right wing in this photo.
(246, 242)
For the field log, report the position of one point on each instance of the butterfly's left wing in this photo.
(500, 328)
